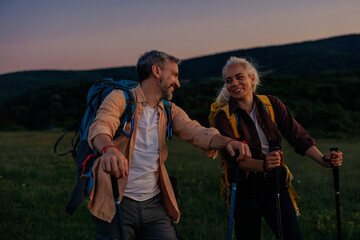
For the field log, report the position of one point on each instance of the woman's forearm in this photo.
(253, 165)
(314, 153)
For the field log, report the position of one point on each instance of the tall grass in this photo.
(36, 185)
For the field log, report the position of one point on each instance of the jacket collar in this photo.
(139, 94)
(233, 104)
(140, 97)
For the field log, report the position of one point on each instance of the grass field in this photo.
(35, 185)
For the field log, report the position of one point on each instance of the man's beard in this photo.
(167, 94)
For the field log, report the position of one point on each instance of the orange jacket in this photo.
(107, 121)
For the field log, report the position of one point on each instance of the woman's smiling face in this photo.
(238, 82)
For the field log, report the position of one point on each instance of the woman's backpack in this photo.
(233, 120)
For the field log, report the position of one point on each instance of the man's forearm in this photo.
(112, 160)
(218, 141)
(100, 141)
(231, 145)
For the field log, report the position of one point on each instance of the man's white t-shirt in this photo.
(143, 171)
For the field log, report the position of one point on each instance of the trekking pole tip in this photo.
(336, 149)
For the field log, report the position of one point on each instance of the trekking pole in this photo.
(337, 192)
(276, 179)
(115, 189)
(233, 171)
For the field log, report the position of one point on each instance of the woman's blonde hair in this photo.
(224, 95)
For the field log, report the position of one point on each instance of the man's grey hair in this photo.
(148, 59)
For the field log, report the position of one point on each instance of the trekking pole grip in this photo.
(233, 168)
(335, 172)
(115, 187)
(337, 193)
(272, 149)
(336, 149)
(275, 171)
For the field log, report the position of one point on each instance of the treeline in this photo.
(319, 81)
(12, 85)
(340, 53)
(59, 105)
(325, 103)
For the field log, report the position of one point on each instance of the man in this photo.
(147, 199)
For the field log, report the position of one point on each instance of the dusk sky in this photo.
(89, 34)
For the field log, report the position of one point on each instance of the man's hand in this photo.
(244, 151)
(114, 162)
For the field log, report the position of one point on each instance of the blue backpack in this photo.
(85, 157)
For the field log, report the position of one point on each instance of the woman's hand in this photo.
(334, 158)
(273, 160)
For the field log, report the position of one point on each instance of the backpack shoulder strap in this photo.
(233, 119)
(268, 106)
(127, 115)
(167, 107)
(214, 109)
(129, 107)
(293, 195)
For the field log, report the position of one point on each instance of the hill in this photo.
(332, 54)
(15, 84)
(319, 81)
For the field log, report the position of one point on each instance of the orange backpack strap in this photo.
(232, 119)
(265, 100)
(214, 109)
(289, 177)
(224, 184)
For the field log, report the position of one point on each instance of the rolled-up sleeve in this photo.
(191, 130)
(294, 133)
(107, 118)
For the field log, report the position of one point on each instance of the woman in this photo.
(255, 195)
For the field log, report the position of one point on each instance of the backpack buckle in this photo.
(131, 129)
